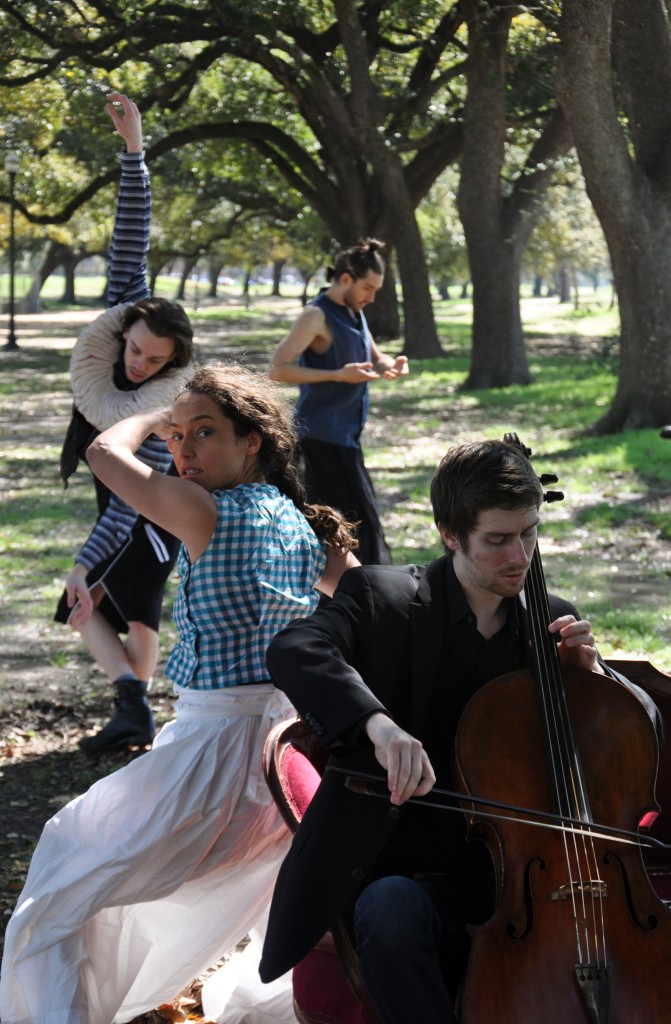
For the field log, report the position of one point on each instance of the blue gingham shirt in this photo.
(257, 574)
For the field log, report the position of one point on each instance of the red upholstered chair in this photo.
(326, 983)
(658, 685)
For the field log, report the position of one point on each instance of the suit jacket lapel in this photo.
(427, 625)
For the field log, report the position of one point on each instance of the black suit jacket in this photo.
(375, 647)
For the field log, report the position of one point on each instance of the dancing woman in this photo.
(158, 869)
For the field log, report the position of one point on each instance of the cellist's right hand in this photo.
(409, 771)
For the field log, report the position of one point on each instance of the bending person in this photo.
(132, 358)
(330, 353)
(146, 880)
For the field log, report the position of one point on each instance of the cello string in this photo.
(555, 738)
(543, 665)
(592, 910)
(574, 793)
(564, 766)
(562, 746)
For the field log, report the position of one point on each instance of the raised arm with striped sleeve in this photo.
(127, 270)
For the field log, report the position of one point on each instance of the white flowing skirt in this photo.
(143, 882)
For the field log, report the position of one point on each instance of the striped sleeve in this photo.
(113, 526)
(127, 268)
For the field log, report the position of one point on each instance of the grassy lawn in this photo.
(608, 544)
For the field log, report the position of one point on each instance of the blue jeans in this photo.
(412, 944)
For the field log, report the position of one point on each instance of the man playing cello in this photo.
(382, 674)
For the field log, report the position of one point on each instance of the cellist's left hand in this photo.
(576, 647)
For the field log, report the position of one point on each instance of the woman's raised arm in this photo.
(184, 508)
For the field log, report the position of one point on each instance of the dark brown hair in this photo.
(472, 478)
(253, 402)
(358, 260)
(165, 319)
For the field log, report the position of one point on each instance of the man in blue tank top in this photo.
(330, 353)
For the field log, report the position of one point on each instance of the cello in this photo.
(578, 934)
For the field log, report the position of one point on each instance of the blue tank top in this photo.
(330, 411)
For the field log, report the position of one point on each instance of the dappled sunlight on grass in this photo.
(609, 541)
(613, 527)
(593, 317)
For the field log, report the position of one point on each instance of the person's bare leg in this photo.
(136, 657)
(142, 650)
(132, 723)
(106, 647)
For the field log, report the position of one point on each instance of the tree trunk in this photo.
(396, 210)
(564, 285)
(642, 273)
(30, 302)
(615, 69)
(307, 276)
(498, 356)
(214, 268)
(69, 263)
(245, 288)
(189, 264)
(395, 223)
(419, 327)
(278, 266)
(383, 316)
(497, 223)
(54, 257)
(398, 228)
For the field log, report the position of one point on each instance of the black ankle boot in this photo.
(132, 724)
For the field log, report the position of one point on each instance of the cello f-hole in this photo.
(511, 929)
(651, 921)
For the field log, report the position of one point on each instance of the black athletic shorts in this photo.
(133, 578)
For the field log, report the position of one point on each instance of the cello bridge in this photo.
(594, 887)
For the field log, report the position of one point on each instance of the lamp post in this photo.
(12, 167)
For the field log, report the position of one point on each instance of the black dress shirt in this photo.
(429, 840)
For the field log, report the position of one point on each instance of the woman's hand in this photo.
(161, 422)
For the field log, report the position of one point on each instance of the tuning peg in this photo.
(549, 478)
(550, 496)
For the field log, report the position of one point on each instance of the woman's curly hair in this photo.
(253, 402)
